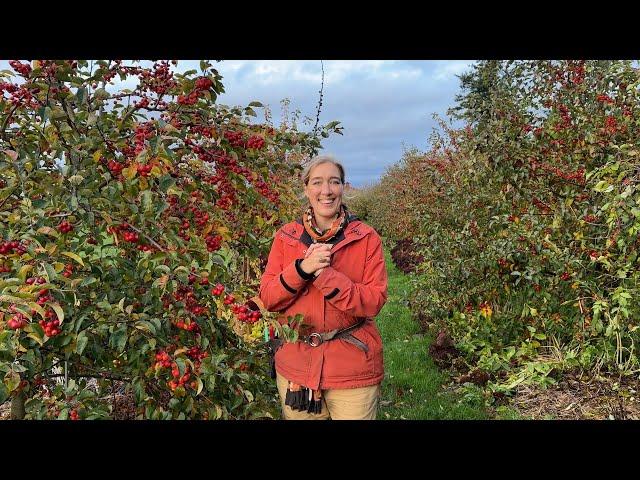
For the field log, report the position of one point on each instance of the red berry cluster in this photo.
(145, 248)
(178, 380)
(185, 294)
(594, 255)
(144, 170)
(201, 280)
(202, 218)
(565, 276)
(14, 246)
(229, 299)
(189, 327)
(267, 192)
(602, 98)
(213, 242)
(68, 270)
(234, 138)
(217, 290)
(115, 167)
(143, 132)
(73, 415)
(245, 314)
(196, 353)
(44, 296)
(610, 125)
(128, 234)
(163, 360)
(5, 268)
(159, 81)
(23, 69)
(204, 83)
(590, 218)
(255, 141)
(17, 322)
(51, 324)
(143, 103)
(190, 99)
(65, 227)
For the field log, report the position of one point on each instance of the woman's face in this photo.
(324, 190)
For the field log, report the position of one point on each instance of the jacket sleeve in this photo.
(281, 284)
(364, 299)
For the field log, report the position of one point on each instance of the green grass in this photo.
(412, 387)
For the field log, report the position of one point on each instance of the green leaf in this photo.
(81, 95)
(4, 393)
(256, 104)
(119, 338)
(147, 200)
(35, 331)
(81, 342)
(74, 257)
(51, 273)
(12, 380)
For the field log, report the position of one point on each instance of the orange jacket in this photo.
(355, 285)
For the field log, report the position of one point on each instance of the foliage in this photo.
(529, 218)
(121, 206)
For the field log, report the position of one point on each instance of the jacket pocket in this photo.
(334, 318)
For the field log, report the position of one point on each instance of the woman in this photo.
(329, 267)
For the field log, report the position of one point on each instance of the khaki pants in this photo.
(337, 404)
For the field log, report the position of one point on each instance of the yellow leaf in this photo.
(143, 183)
(58, 267)
(97, 155)
(24, 270)
(156, 172)
(48, 231)
(74, 256)
(207, 229)
(224, 233)
(129, 172)
(37, 308)
(58, 311)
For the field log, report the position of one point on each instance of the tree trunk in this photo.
(17, 406)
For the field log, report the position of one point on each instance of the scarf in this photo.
(318, 235)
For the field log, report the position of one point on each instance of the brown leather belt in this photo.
(316, 339)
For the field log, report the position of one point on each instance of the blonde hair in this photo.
(319, 160)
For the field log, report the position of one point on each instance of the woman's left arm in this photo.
(364, 299)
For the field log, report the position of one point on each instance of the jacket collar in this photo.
(355, 230)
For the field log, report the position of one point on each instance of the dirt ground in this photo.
(580, 397)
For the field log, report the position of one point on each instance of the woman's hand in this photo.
(317, 256)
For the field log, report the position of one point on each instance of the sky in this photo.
(384, 106)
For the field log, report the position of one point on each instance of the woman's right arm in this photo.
(281, 284)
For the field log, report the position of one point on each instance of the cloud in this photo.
(382, 104)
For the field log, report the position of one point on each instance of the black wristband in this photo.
(304, 275)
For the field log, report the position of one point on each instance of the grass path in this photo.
(412, 387)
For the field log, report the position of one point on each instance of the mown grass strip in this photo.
(412, 388)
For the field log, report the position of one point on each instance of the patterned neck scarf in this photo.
(319, 235)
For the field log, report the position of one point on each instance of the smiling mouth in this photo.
(326, 202)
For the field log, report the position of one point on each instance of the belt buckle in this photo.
(312, 342)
